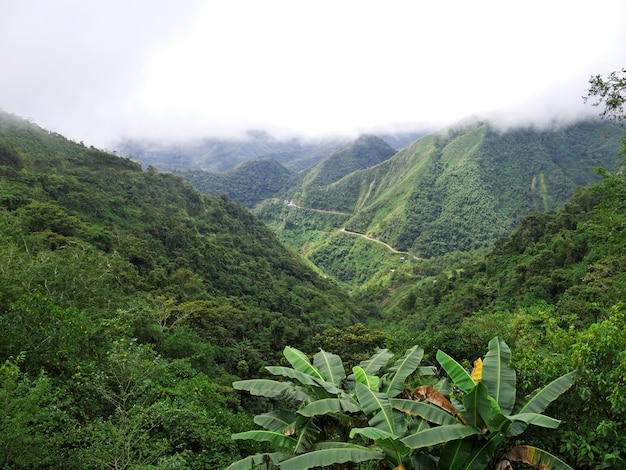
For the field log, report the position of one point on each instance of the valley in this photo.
(138, 314)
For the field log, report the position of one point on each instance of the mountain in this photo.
(223, 154)
(248, 183)
(255, 180)
(554, 291)
(123, 235)
(364, 152)
(460, 189)
(129, 302)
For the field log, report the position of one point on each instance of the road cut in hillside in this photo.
(381, 242)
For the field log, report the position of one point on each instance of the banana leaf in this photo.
(539, 401)
(336, 453)
(308, 434)
(403, 367)
(330, 366)
(262, 435)
(537, 419)
(301, 362)
(483, 454)
(460, 377)
(258, 461)
(499, 376)
(537, 458)
(439, 435)
(328, 406)
(303, 378)
(376, 402)
(376, 362)
(279, 421)
(273, 389)
(370, 381)
(427, 411)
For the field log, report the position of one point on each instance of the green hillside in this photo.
(248, 183)
(129, 302)
(549, 301)
(457, 190)
(255, 180)
(554, 290)
(365, 152)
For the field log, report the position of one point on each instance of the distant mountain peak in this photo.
(366, 151)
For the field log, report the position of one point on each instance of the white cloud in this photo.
(99, 69)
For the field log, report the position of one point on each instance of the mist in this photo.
(105, 71)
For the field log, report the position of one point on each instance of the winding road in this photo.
(391, 248)
(292, 205)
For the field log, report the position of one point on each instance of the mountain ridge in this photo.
(458, 189)
(248, 183)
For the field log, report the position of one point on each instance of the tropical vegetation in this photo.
(129, 302)
(138, 317)
(459, 422)
(460, 189)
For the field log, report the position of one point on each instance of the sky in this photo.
(100, 70)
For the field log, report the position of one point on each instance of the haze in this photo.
(97, 71)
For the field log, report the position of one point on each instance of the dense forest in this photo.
(148, 326)
(553, 291)
(129, 303)
(248, 183)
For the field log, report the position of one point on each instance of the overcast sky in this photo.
(96, 70)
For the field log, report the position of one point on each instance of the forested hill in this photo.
(169, 238)
(461, 189)
(255, 180)
(456, 190)
(364, 152)
(555, 291)
(248, 183)
(126, 299)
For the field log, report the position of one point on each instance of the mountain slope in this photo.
(459, 189)
(554, 290)
(255, 180)
(129, 303)
(248, 183)
(158, 236)
(364, 152)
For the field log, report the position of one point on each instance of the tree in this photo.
(31, 418)
(354, 343)
(372, 414)
(45, 336)
(610, 91)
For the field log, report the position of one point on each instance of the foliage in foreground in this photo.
(328, 419)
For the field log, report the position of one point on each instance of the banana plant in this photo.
(331, 408)
(458, 424)
(472, 429)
